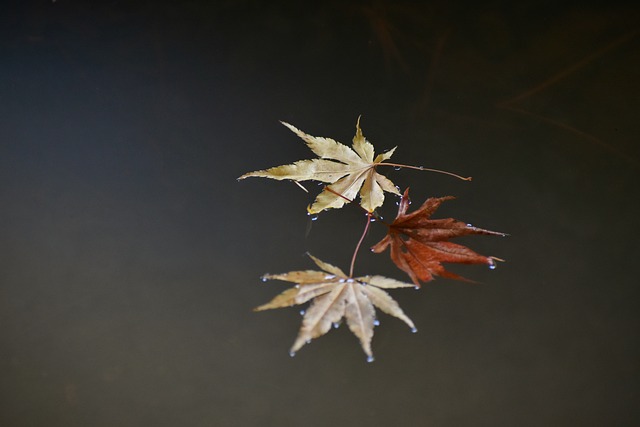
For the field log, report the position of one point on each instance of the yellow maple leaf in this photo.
(347, 170)
(335, 296)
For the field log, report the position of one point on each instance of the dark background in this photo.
(130, 257)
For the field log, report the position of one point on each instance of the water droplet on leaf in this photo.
(292, 353)
(414, 330)
(370, 359)
(302, 312)
(376, 322)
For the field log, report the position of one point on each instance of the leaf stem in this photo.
(355, 252)
(331, 190)
(300, 185)
(422, 168)
(364, 233)
(373, 214)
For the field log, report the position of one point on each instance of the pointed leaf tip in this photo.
(420, 246)
(345, 168)
(334, 297)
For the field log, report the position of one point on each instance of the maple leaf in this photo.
(336, 296)
(419, 244)
(347, 170)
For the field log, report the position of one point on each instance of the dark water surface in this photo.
(130, 257)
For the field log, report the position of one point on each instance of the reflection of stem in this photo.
(355, 252)
(433, 68)
(567, 71)
(576, 131)
(382, 28)
(509, 103)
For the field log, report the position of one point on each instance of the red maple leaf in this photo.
(419, 244)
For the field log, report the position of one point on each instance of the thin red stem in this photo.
(331, 190)
(364, 233)
(355, 253)
(421, 168)
(373, 214)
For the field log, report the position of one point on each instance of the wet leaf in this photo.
(419, 245)
(335, 296)
(346, 170)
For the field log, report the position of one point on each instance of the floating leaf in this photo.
(419, 244)
(346, 170)
(335, 296)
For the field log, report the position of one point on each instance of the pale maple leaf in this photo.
(346, 170)
(419, 244)
(335, 296)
